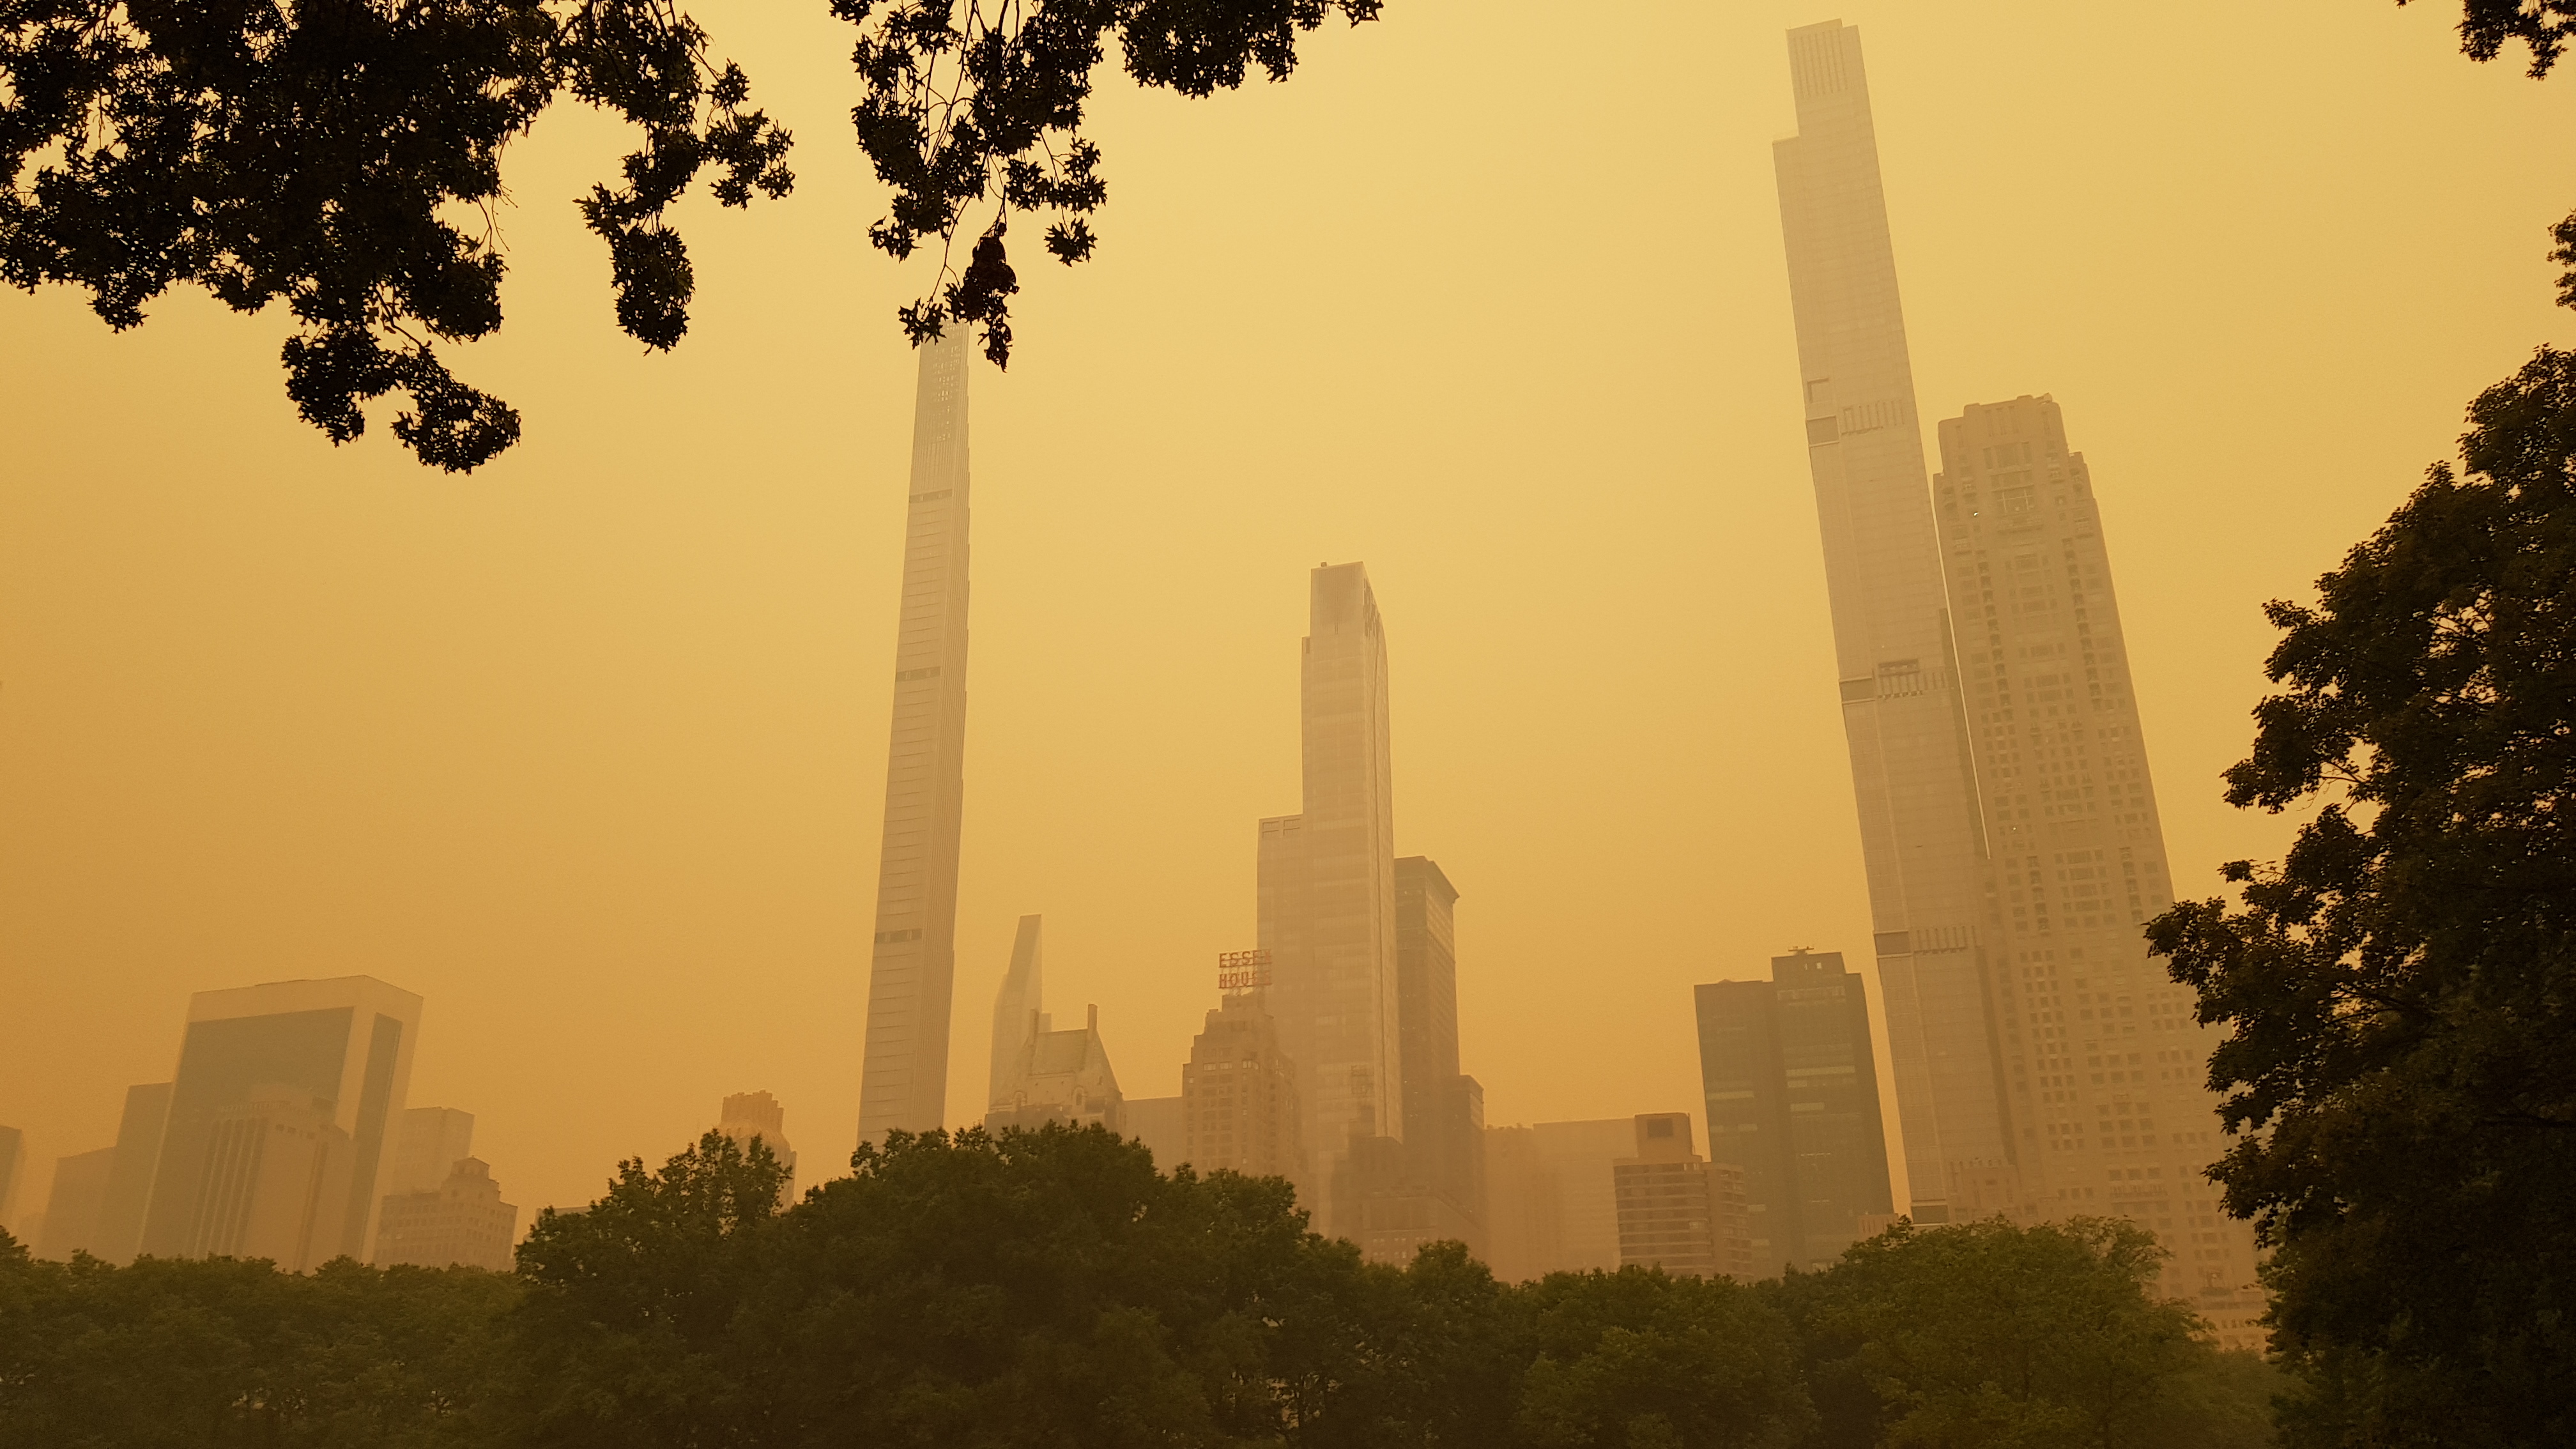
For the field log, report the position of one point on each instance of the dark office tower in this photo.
(2104, 1059)
(129, 1179)
(912, 966)
(1793, 1100)
(1921, 840)
(1444, 1112)
(277, 1142)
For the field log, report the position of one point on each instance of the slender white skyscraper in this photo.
(1328, 886)
(1911, 768)
(1019, 1008)
(912, 973)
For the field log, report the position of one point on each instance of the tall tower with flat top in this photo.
(1921, 837)
(912, 968)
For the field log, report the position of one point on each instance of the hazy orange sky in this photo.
(587, 748)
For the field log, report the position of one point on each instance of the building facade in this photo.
(1791, 1083)
(72, 1208)
(1921, 840)
(2105, 1061)
(1163, 1125)
(2042, 1066)
(749, 1117)
(1444, 1108)
(129, 1180)
(1677, 1210)
(462, 1222)
(429, 1141)
(1327, 890)
(912, 967)
(1239, 1109)
(277, 1138)
(1019, 1007)
(1062, 1076)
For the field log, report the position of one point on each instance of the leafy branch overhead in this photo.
(343, 156)
(982, 103)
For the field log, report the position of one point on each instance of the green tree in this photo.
(1638, 1360)
(319, 153)
(631, 1331)
(1990, 1336)
(226, 1352)
(2401, 989)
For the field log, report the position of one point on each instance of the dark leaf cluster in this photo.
(343, 157)
(975, 102)
(2401, 989)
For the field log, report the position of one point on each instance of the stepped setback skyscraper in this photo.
(1327, 886)
(913, 966)
(1921, 839)
(2104, 1060)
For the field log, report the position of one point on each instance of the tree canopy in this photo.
(2401, 1070)
(1051, 1288)
(343, 157)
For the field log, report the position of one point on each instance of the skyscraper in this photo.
(913, 965)
(129, 1179)
(1328, 885)
(1444, 1109)
(277, 1139)
(2106, 1062)
(72, 1209)
(1792, 1090)
(1921, 838)
(1019, 1008)
(1394, 1196)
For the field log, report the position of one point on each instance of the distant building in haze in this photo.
(1921, 840)
(13, 1149)
(2103, 1062)
(1792, 1091)
(1239, 1094)
(129, 1181)
(1019, 1008)
(1444, 1109)
(1327, 891)
(1551, 1197)
(430, 1141)
(2043, 1066)
(1678, 1211)
(757, 1116)
(1162, 1124)
(72, 1209)
(1062, 1076)
(912, 966)
(276, 1143)
(1429, 1187)
(462, 1221)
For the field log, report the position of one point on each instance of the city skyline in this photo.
(594, 740)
